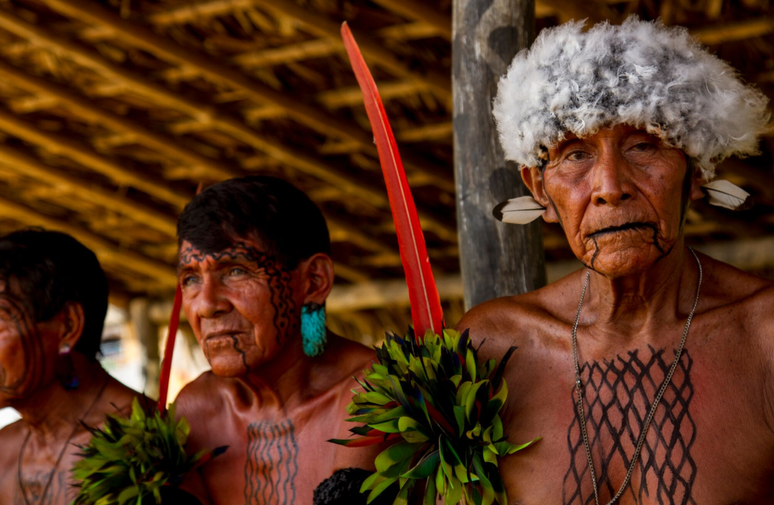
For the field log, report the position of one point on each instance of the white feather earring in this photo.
(722, 193)
(521, 210)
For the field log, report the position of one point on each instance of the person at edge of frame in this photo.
(618, 130)
(53, 302)
(255, 271)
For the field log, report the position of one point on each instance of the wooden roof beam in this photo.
(107, 252)
(140, 36)
(90, 58)
(86, 156)
(146, 215)
(310, 49)
(594, 10)
(347, 97)
(365, 190)
(83, 107)
(199, 10)
(32, 167)
(732, 32)
(372, 49)
(420, 11)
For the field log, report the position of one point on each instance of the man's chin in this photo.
(614, 262)
(228, 366)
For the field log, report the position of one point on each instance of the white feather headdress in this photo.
(639, 73)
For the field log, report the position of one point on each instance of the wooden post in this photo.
(496, 259)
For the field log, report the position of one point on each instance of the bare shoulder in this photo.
(730, 290)
(201, 397)
(11, 438)
(342, 360)
(121, 396)
(527, 319)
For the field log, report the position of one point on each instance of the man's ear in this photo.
(72, 322)
(319, 278)
(533, 179)
(696, 183)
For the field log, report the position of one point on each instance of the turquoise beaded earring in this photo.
(313, 333)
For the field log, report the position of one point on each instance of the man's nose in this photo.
(610, 178)
(211, 300)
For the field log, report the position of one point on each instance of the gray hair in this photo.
(639, 73)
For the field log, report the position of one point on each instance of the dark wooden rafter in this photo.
(108, 252)
(420, 11)
(593, 10)
(359, 187)
(93, 160)
(191, 13)
(372, 49)
(86, 156)
(157, 140)
(731, 32)
(83, 107)
(319, 120)
(32, 167)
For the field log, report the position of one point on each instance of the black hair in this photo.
(50, 269)
(284, 221)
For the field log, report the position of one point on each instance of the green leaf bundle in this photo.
(130, 459)
(443, 405)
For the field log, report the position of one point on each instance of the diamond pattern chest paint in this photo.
(617, 396)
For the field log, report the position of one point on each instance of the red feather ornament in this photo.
(423, 295)
(169, 348)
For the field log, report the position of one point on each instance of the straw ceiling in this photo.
(111, 113)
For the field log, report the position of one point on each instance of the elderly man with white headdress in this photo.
(650, 372)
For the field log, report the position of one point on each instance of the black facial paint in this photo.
(617, 396)
(285, 321)
(272, 464)
(240, 351)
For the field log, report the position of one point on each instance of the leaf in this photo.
(724, 194)
(501, 367)
(379, 489)
(470, 400)
(431, 492)
(426, 310)
(515, 448)
(425, 467)
(488, 497)
(394, 454)
(521, 210)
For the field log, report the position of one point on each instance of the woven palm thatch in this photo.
(112, 111)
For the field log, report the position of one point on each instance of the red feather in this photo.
(423, 294)
(169, 348)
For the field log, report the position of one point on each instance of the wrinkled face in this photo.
(620, 196)
(26, 347)
(240, 304)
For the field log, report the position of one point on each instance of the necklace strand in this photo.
(656, 401)
(61, 453)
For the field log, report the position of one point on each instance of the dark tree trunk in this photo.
(496, 259)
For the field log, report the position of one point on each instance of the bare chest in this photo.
(706, 442)
(269, 462)
(37, 480)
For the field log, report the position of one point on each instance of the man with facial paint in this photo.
(53, 301)
(650, 372)
(255, 271)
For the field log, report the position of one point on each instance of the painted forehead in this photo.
(247, 250)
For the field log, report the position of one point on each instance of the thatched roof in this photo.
(111, 113)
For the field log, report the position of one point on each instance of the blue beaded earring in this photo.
(313, 333)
